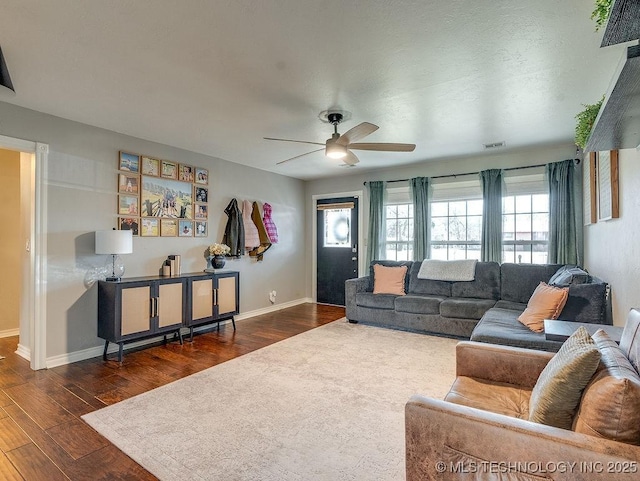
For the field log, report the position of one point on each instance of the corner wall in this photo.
(612, 248)
(10, 241)
(81, 185)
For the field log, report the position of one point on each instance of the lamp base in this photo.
(113, 279)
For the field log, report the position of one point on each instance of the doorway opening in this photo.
(30, 249)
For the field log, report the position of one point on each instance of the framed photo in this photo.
(186, 173)
(185, 228)
(129, 163)
(150, 166)
(168, 170)
(201, 194)
(166, 198)
(168, 227)
(201, 211)
(129, 184)
(200, 229)
(127, 205)
(129, 223)
(202, 176)
(150, 227)
(607, 182)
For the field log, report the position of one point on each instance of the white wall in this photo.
(81, 184)
(354, 182)
(612, 248)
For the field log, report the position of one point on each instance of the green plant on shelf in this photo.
(585, 120)
(601, 13)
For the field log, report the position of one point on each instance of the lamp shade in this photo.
(114, 242)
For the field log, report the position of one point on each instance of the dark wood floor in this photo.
(41, 433)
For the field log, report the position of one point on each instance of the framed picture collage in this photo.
(162, 198)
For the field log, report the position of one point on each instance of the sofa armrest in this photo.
(446, 441)
(497, 363)
(353, 287)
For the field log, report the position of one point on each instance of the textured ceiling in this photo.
(216, 76)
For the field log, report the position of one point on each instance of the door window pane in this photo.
(337, 228)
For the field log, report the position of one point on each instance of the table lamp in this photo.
(114, 242)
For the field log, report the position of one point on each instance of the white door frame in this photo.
(314, 235)
(33, 305)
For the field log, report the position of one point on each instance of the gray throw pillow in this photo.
(557, 392)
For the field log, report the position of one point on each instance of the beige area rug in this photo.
(327, 404)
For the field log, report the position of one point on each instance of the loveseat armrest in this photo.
(351, 288)
(497, 363)
(446, 441)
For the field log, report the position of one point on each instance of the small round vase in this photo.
(218, 262)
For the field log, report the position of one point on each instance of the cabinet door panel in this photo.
(136, 315)
(169, 304)
(202, 299)
(226, 295)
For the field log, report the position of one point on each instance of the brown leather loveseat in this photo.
(481, 430)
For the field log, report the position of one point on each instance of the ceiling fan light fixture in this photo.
(336, 151)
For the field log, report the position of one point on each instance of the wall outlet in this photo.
(272, 297)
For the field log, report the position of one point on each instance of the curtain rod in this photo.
(577, 161)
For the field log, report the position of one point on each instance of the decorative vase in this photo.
(218, 262)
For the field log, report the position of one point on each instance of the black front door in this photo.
(337, 247)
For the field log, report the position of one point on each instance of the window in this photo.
(525, 217)
(456, 229)
(525, 228)
(399, 232)
(456, 219)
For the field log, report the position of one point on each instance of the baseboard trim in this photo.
(97, 351)
(10, 332)
(24, 352)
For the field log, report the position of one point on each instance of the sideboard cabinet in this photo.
(213, 297)
(143, 307)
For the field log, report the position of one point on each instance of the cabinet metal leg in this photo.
(233, 321)
(191, 334)
(180, 336)
(104, 354)
(120, 351)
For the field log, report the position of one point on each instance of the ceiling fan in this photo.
(340, 146)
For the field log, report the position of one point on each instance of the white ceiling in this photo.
(216, 76)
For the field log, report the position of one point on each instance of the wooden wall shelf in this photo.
(618, 123)
(623, 24)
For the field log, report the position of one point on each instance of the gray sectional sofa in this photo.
(485, 309)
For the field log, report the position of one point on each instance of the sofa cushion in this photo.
(389, 264)
(495, 397)
(459, 308)
(518, 281)
(501, 326)
(568, 275)
(557, 392)
(586, 303)
(545, 303)
(418, 304)
(375, 301)
(426, 287)
(486, 284)
(610, 405)
(389, 280)
(512, 306)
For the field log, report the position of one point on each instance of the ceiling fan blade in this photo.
(301, 155)
(296, 141)
(351, 159)
(358, 132)
(384, 147)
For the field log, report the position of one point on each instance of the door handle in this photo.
(354, 258)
